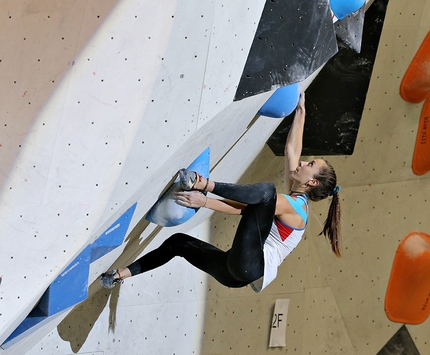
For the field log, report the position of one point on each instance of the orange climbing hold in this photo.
(408, 293)
(414, 88)
(415, 85)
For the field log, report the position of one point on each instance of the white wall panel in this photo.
(64, 166)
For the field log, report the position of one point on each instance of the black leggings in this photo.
(244, 262)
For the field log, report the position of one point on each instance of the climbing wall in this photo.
(117, 118)
(99, 143)
(337, 305)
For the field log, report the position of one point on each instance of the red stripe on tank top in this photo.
(284, 230)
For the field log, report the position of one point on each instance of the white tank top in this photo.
(279, 244)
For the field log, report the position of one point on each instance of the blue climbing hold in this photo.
(282, 102)
(114, 235)
(166, 212)
(342, 8)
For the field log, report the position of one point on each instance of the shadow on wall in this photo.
(77, 325)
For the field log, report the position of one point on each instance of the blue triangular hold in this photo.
(166, 212)
(69, 288)
(282, 102)
(113, 236)
(342, 8)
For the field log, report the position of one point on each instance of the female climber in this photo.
(270, 227)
